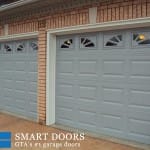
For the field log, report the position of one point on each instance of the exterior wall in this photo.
(123, 9)
(106, 11)
(70, 18)
(23, 27)
(42, 72)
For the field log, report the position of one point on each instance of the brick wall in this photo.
(70, 18)
(23, 27)
(123, 10)
(42, 71)
(107, 11)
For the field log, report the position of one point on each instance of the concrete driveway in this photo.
(20, 126)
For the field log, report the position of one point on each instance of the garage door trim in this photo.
(21, 36)
(51, 53)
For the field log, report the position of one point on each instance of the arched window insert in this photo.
(7, 48)
(34, 46)
(141, 39)
(67, 43)
(20, 47)
(114, 41)
(87, 43)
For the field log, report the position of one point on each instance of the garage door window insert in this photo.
(34, 46)
(7, 48)
(67, 43)
(113, 40)
(20, 47)
(88, 42)
(140, 39)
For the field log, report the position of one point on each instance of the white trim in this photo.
(16, 4)
(19, 36)
(112, 25)
(50, 79)
(51, 53)
(92, 15)
(6, 29)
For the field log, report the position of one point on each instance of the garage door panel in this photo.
(32, 87)
(112, 132)
(87, 118)
(140, 68)
(88, 68)
(86, 127)
(19, 68)
(113, 109)
(65, 90)
(33, 107)
(19, 75)
(109, 80)
(64, 113)
(113, 67)
(19, 111)
(139, 113)
(87, 107)
(16, 57)
(32, 66)
(112, 122)
(87, 92)
(7, 75)
(145, 138)
(8, 66)
(139, 98)
(20, 103)
(7, 92)
(69, 53)
(65, 67)
(66, 122)
(32, 97)
(113, 95)
(139, 127)
(32, 76)
(19, 93)
(65, 102)
(140, 71)
(20, 85)
(7, 84)
(87, 54)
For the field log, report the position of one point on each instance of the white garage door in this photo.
(18, 77)
(103, 83)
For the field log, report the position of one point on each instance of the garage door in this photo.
(18, 77)
(103, 83)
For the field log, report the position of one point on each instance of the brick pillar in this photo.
(42, 72)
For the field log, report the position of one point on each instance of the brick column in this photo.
(42, 72)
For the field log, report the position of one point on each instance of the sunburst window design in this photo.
(141, 39)
(34, 46)
(86, 43)
(67, 43)
(20, 47)
(7, 48)
(114, 41)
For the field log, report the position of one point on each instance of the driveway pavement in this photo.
(24, 133)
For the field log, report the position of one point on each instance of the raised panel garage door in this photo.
(18, 77)
(103, 83)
